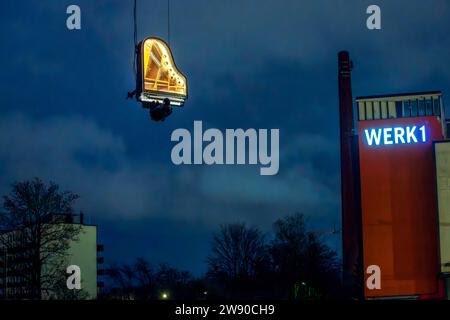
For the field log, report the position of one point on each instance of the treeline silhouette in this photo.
(36, 229)
(242, 264)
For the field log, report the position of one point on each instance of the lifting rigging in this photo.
(159, 83)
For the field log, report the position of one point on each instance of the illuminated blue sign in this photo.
(395, 135)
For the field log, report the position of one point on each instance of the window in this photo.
(421, 107)
(406, 109)
(413, 108)
(392, 110)
(437, 106)
(369, 114)
(361, 111)
(384, 110)
(398, 108)
(376, 110)
(429, 107)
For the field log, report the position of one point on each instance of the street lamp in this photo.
(164, 296)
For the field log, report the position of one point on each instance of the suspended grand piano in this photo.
(159, 84)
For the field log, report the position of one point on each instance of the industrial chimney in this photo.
(350, 184)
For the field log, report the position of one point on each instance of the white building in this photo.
(82, 252)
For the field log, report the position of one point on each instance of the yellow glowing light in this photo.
(160, 76)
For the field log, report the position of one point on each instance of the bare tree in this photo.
(121, 286)
(146, 279)
(175, 281)
(35, 228)
(236, 251)
(300, 256)
(140, 281)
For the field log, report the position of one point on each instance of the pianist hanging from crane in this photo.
(160, 85)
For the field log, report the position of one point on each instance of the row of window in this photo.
(15, 280)
(18, 292)
(15, 236)
(374, 110)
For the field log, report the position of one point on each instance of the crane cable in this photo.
(135, 31)
(130, 94)
(168, 22)
(135, 37)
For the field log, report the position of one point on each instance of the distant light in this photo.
(205, 293)
(164, 295)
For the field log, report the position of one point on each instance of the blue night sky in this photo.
(250, 64)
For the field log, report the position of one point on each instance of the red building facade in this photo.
(398, 191)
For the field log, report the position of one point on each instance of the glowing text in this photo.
(395, 135)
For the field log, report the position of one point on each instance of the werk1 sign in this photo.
(396, 135)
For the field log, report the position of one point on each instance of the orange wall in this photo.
(399, 210)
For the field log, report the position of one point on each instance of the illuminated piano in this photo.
(158, 78)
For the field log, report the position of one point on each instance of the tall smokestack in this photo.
(350, 184)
